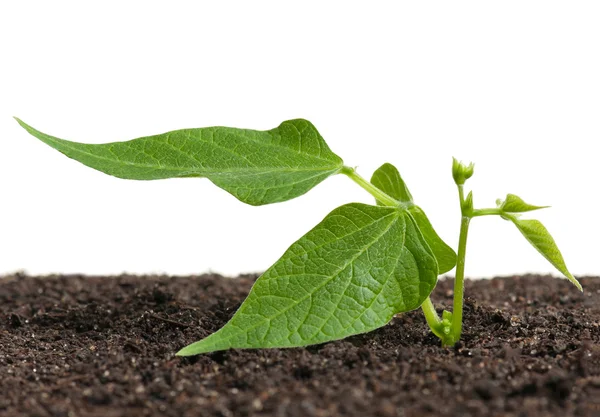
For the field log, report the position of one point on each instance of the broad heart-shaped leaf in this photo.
(257, 167)
(388, 179)
(350, 274)
(539, 237)
(515, 204)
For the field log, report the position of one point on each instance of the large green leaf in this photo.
(350, 274)
(388, 179)
(539, 237)
(257, 167)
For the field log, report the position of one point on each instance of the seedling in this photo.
(353, 271)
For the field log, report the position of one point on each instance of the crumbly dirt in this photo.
(104, 346)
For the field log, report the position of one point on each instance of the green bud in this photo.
(461, 172)
(447, 316)
(467, 206)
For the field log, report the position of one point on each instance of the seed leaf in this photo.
(350, 274)
(388, 179)
(515, 204)
(539, 237)
(257, 167)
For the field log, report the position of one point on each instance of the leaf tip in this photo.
(23, 124)
(573, 280)
(196, 348)
(186, 351)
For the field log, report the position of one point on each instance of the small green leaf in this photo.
(539, 237)
(388, 179)
(350, 274)
(257, 167)
(515, 204)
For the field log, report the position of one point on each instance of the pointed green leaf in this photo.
(350, 274)
(539, 237)
(515, 204)
(257, 167)
(388, 179)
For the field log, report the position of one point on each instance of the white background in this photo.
(513, 86)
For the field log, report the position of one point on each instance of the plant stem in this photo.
(433, 320)
(467, 213)
(379, 195)
(487, 212)
(459, 283)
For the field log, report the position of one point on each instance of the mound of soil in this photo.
(104, 346)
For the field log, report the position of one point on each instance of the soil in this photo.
(104, 346)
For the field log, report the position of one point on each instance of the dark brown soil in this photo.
(77, 346)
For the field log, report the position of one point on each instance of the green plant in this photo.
(353, 271)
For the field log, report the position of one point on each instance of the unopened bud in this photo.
(461, 172)
(447, 316)
(467, 206)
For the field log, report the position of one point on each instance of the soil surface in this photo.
(104, 346)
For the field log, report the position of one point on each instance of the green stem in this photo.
(433, 320)
(459, 283)
(487, 212)
(467, 213)
(379, 195)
